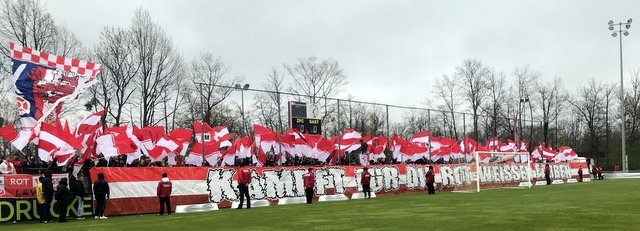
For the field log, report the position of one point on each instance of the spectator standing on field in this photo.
(78, 191)
(62, 200)
(164, 194)
(580, 174)
(600, 173)
(594, 172)
(47, 191)
(547, 173)
(365, 179)
(101, 193)
(431, 179)
(244, 179)
(309, 183)
(40, 199)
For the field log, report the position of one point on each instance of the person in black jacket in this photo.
(101, 193)
(62, 200)
(47, 191)
(78, 191)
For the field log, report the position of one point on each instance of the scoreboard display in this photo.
(306, 125)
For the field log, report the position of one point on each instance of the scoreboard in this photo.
(306, 125)
(304, 120)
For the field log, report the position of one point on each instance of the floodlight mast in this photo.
(623, 29)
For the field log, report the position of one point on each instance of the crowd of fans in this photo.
(30, 165)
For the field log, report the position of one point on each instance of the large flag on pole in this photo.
(45, 81)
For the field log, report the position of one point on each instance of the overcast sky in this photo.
(391, 51)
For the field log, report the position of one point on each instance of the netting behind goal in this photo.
(489, 170)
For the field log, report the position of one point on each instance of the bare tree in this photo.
(160, 65)
(474, 78)
(447, 90)
(590, 105)
(115, 52)
(632, 107)
(494, 107)
(316, 78)
(549, 97)
(207, 74)
(525, 78)
(67, 44)
(269, 109)
(27, 23)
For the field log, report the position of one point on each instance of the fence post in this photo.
(388, 135)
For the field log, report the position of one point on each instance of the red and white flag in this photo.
(229, 155)
(421, 137)
(87, 130)
(18, 139)
(201, 130)
(548, 153)
(536, 154)
(349, 141)
(567, 153)
(221, 134)
(324, 148)
(56, 143)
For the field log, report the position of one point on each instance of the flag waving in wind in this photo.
(44, 82)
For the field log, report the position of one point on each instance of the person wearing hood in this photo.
(62, 200)
(164, 194)
(101, 193)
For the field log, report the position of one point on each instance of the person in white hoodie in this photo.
(164, 193)
(7, 167)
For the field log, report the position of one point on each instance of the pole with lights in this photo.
(242, 89)
(623, 29)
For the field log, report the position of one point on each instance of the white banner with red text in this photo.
(133, 190)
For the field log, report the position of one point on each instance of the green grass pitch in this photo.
(600, 205)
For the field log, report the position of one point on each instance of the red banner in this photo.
(23, 185)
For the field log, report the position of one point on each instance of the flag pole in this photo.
(202, 125)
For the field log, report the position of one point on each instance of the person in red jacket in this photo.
(547, 173)
(17, 163)
(244, 179)
(600, 173)
(365, 179)
(164, 193)
(309, 182)
(431, 179)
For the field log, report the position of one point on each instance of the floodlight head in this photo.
(628, 26)
(629, 21)
(611, 28)
(246, 86)
(614, 34)
(626, 33)
(610, 22)
(237, 86)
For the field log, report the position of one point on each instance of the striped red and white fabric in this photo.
(59, 62)
(56, 143)
(420, 137)
(133, 190)
(18, 139)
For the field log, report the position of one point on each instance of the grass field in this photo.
(601, 205)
